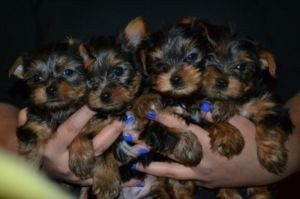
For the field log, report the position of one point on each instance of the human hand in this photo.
(56, 153)
(214, 170)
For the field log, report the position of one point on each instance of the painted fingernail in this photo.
(127, 137)
(139, 184)
(129, 119)
(142, 151)
(205, 106)
(133, 167)
(152, 115)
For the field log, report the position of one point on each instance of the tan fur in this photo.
(33, 152)
(226, 139)
(258, 108)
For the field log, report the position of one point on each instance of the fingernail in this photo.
(129, 119)
(127, 137)
(142, 151)
(152, 115)
(133, 167)
(205, 106)
(139, 184)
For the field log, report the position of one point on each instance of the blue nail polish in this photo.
(127, 137)
(142, 151)
(129, 119)
(139, 184)
(133, 167)
(205, 106)
(152, 115)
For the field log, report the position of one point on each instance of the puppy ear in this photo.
(187, 20)
(87, 57)
(17, 69)
(267, 62)
(134, 33)
(199, 27)
(71, 41)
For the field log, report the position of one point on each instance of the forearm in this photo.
(245, 169)
(8, 127)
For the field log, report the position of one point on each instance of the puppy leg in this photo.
(182, 189)
(188, 149)
(270, 148)
(259, 193)
(107, 181)
(228, 194)
(32, 137)
(226, 139)
(81, 156)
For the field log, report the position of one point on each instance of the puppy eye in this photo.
(241, 67)
(161, 67)
(118, 71)
(190, 57)
(37, 78)
(210, 57)
(68, 72)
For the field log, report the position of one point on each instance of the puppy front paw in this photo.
(272, 156)
(270, 149)
(147, 103)
(81, 158)
(226, 140)
(107, 185)
(188, 149)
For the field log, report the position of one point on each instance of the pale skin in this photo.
(56, 151)
(213, 171)
(242, 170)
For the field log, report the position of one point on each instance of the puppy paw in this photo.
(147, 103)
(228, 194)
(107, 185)
(188, 149)
(272, 156)
(81, 158)
(226, 140)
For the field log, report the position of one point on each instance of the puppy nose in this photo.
(221, 83)
(51, 90)
(176, 81)
(105, 97)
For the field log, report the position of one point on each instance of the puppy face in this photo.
(173, 60)
(113, 80)
(54, 74)
(235, 67)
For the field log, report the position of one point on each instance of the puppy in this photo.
(55, 76)
(173, 62)
(113, 83)
(238, 79)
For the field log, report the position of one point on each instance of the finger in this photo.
(132, 136)
(73, 179)
(107, 136)
(170, 120)
(22, 117)
(169, 170)
(134, 182)
(67, 131)
(207, 116)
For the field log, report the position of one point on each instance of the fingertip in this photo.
(22, 117)
(85, 110)
(133, 183)
(207, 116)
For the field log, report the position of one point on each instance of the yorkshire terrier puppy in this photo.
(113, 83)
(173, 62)
(55, 76)
(238, 79)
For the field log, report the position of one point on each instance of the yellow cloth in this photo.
(18, 180)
